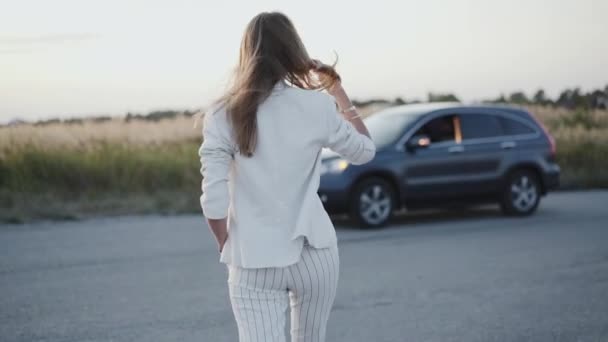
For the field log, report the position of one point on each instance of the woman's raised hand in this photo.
(327, 75)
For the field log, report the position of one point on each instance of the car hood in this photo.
(329, 154)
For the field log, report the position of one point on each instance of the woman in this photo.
(261, 160)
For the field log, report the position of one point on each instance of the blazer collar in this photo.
(282, 84)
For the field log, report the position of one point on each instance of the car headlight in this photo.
(334, 166)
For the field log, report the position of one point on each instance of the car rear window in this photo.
(475, 126)
(514, 127)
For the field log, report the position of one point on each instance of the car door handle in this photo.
(456, 149)
(508, 145)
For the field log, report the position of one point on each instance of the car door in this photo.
(434, 171)
(484, 152)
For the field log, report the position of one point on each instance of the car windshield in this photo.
(387, 126)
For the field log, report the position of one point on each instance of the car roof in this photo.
(426, 108)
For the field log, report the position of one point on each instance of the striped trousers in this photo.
(261, 296)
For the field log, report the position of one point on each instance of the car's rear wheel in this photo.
(521, 194)
(372, 202)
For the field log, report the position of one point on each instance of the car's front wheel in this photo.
(372, 202)
(521, 194)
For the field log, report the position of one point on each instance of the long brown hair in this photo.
(271, 51)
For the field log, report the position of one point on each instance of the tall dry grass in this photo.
(90, 133)
(67, 170)
(582, 144)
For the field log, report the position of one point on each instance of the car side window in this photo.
(513, 127)
(476, 126)
(439, 129)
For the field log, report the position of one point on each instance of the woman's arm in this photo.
(337, 91)
(346, 132)
(216, 153)
(344, 103)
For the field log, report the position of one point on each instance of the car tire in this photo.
(372, 202)
(521, 194)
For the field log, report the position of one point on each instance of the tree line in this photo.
(571, 98)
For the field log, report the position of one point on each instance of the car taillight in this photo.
(552, 142)
(547, 134)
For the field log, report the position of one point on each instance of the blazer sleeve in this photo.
(216, 156)
(343, 138)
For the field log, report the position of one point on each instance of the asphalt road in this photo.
(472, 276)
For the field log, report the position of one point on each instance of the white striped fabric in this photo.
(260, 297)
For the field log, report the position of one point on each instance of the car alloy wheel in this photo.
(373, 202)
(522, 194)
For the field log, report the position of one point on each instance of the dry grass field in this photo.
(70, 170)
(582, 144)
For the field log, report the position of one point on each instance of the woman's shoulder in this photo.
(215, 116)
(216, 111)
(310, 96)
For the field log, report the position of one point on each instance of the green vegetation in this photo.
(109, 178)
(119, 168)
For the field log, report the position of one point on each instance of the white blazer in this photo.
(271, 198)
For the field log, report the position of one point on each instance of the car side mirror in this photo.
(418, 141)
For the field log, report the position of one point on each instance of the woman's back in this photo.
(273, 200)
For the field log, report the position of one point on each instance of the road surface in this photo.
(472, 276)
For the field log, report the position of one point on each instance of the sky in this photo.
(71, 58)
